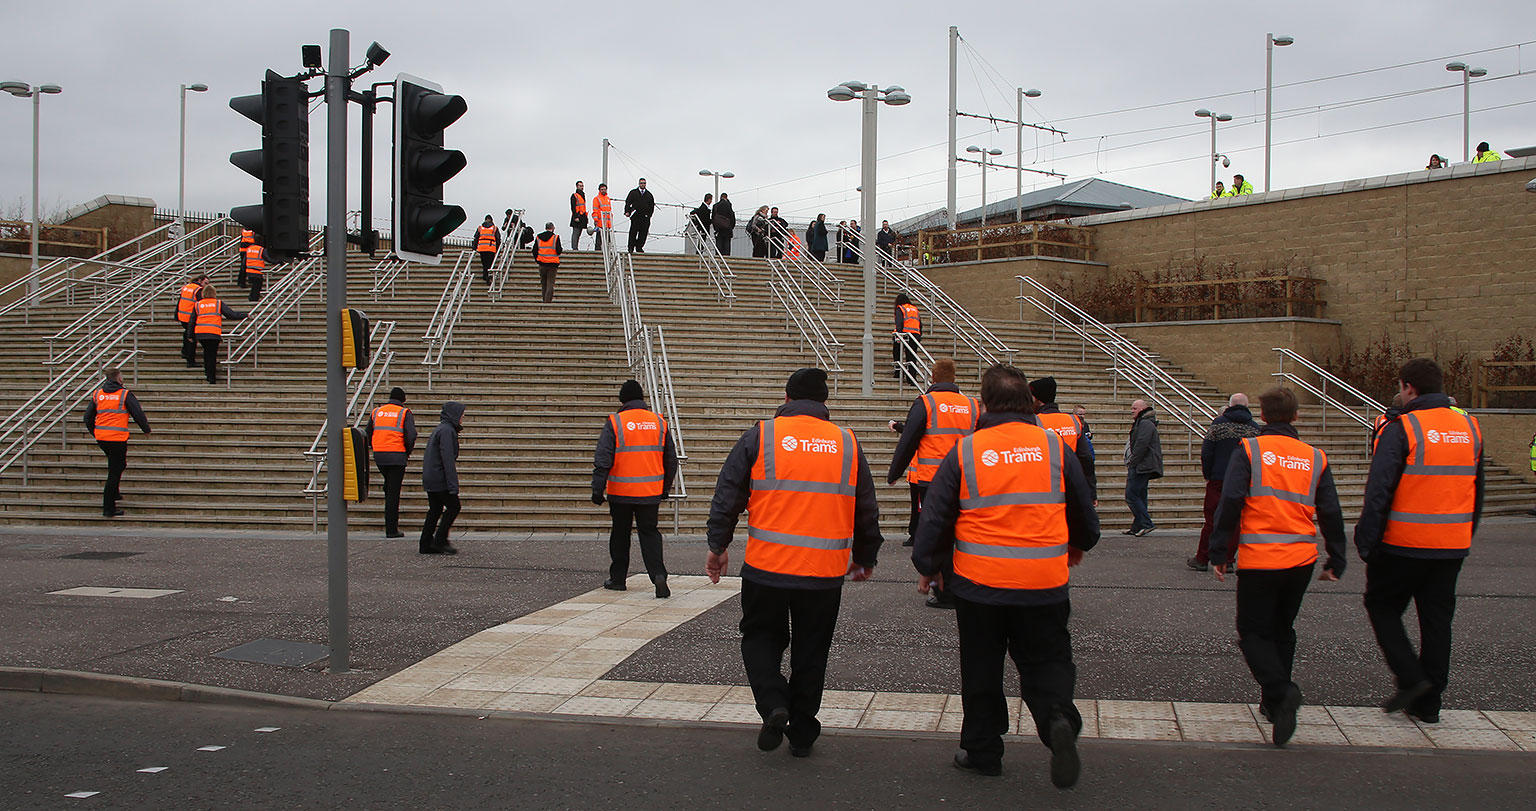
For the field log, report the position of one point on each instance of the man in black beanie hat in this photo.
(392, 436)
(633, 468)
(1067, 426)
(812, 520)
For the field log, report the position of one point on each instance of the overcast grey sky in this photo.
(683, 86)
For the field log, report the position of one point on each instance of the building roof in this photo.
(1080, 197)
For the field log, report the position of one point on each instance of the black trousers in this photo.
(117, 462)
(767, 614)
(920, 492)
(759, 248)
(1390, 582)
(642, 517)
(1267, 603)
(241, 279)
(394, 475)
(723, 241)
(639, 230)
(210, 358)
(904, 355)
(256, 282)
(188, 343)
(486, 257)
(1036, 637)
(442, 509)
(547, 272)
(775, 249)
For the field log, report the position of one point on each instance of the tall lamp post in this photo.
(1270, 42)
(986, 154)
(872, 96)
(1018, 191)
(1467, 75)
(181, 173)
(23, 90)
(717, 176)
(1215, 156)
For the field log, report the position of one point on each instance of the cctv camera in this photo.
(1225, 162)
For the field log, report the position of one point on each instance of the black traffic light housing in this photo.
(421, 166)
(282, 165)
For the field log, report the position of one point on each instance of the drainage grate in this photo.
(280, 652)
(99, 555)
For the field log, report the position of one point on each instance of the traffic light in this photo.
(422, 165)
(282, 165)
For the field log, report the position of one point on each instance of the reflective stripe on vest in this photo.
(485, 239)
(389, 428)
(1433, 505)
(1276, 530)
(800, 512)
(1012, 529)
(544, 250)
(188, 301)
(1379, 423)
(255, 262)
(602, 211)
(112, 415)
(639, 438)
(581, 204)
(909, 319)
(1066, 426)
(247, 238)
(210, 318)
(951, 415)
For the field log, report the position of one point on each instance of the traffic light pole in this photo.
(337, 83)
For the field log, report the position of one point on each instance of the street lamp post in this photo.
(986, 154)
(23, 90)
(717, 176)
(181, 174)
(1018, 205)
(1467, 75)
(872, 97)
(1270, 41)
(1215, 156)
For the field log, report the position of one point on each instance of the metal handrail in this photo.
(1327, 377)
(802, 313)
(714, 264)
(267, 316)
(364, 384)
(506, 254)
(818, 274)
(933, 301)
(386, 272)
(905, 373)
(450, 305)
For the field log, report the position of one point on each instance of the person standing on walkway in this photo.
(1423, 501)
(106, 417)
(854, 243)
(255, 269)
(1007, 513)
(723, 218)
(487, 240)
(186, 307)
(1222, 439)
(757, 231)
(816, 238)
(639, 206)
(840, 243)
(1143, 463)
(208, 327)
(812, 519)
(778, 234)
(440, 478)
(392, 437)
(602, 215)
(908, 331)
(578, 215)
(633, 468)
(546, 255)
(937, 420)
(885, 241)
(1275, 486)
(702, 220)
(1486, 154)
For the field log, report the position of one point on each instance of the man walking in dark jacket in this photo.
(392, 437)
(633, 468)
(816, 238)
(639, 205)
(106, 417)
(578, 215)
(1225, 436)
(778, 234)
(1143, 463)
(440, 478)
(885, 240)
(723, 218)
(702, 219)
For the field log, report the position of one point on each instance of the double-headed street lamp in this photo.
(985, 165)
(23, 90)
(1270, 43)
(1467, 75)
(181, 175)
(872, 97)
(1215, 156)
(717, 176)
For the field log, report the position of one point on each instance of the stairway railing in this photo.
(1363, 402)
(811, 272)
(506, 254)
(911, 372)
(714, 264)
(364, 384)
(285, 296)
(386, 273)
(801, 313)
(937, 305)
(450, 306)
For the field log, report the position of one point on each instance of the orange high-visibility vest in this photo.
(210, 318)
(602, 210)
(800, 513)
(1066, 426)
(1276, 530)
(951, 416)
(909, 319)
(1012, 529)
(112, 415)
(1376, 426)
(255, 261)
(188, 301)
(639, 437)
(485, 239)
(581, 204)
(544, 250)
(247, 238)
(1433, 505)
(389, 428)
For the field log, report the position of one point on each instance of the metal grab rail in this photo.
(385, 273)
(820, 277)
(506, 254)
(1365, 402)
(267, 316)
(450, 305)
(32, 420)
(364, 384)
(905, 373)
(802, 314)
(932, 300)
(714, 264)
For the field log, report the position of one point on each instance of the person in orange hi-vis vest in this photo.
(392, 437)
(1423, 500)
(1394, 410)
(208, 327)
(602, 215)
(106, 418)
(909, 330)
(633, 469)
(936, 421)
(1276, 486)
(578, 215)
(1008, 511)
(812, 520)
(186, 305)
(487, 240)
(546, 255)
(247, 239)
(1070, 427)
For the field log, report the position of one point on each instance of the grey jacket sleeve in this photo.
(90, 415)
(1141, 443)
(1082, 518)
(1229, 512)
(1330, 519)
(911, 434)
(226, 311)
(732, 489)
(136, 411)
(866, 518)
(602, 460)
(668, 464)
(410, 431)
(450, 450)
(1084, 455)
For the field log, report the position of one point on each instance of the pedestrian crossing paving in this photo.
(554, 661)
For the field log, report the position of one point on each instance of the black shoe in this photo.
(614, 585)
(1284, 716)
(801, 751)
(191, 366)
(1405, 697)
(1194, 563)
(111, 513)
(428, 550)
(772, 733)
(448, 549)
(394, 534)
(1424, 716)
(1065, 763)
(964, 763)
(907, 542)
(662, 592)
(935, 601)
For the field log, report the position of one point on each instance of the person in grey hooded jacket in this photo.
(440, 478)
(1143, 463)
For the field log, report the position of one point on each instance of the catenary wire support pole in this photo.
(871, 109)
(954, 110)
(336, 85)
(604, 180)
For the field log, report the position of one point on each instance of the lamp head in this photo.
(50, 89)
(994, 151)
(841, 93)
(973, 148)
(19, 89)
(1475, 72)
(1454, 66)
(1202, 113)
(377, 54)
(1283, 40)
(727, 174)
(895, 88)
(705, 172)
(857, 87)
(1032, 93)
(897, 99)
(1223, 117)
(197, 88)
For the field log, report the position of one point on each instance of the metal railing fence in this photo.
(445, 317)
(364, 384)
